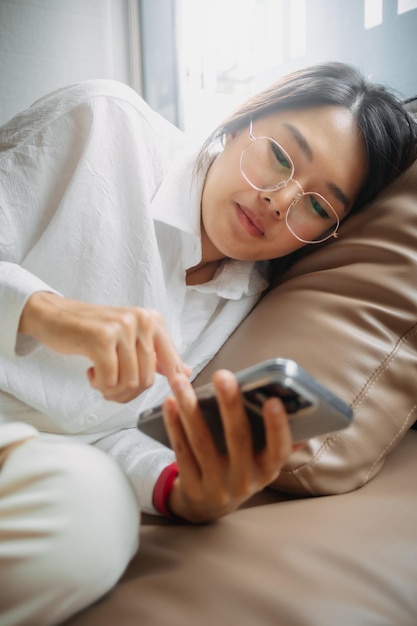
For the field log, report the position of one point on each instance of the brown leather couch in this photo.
(335, 542)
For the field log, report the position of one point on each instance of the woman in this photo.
(126, 254)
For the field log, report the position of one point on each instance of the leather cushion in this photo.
(340, 560)
(346, 311)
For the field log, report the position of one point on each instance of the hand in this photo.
(126, 345)
(211, 485)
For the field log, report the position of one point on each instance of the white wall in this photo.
(46, 44)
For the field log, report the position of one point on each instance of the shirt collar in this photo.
(177, 204)
(235, 279)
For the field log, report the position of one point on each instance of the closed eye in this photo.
(318, 208)
(280, 155)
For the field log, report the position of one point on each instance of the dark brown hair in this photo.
(389, 132)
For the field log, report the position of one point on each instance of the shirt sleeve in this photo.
(37, 160)
(142, 459)
(16, 287)
(78, 171)
(61, 161)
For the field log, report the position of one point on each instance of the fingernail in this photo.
(187, 370)
(181, 368)
(275, 406)
(225, 381)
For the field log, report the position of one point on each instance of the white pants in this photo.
(69, 525)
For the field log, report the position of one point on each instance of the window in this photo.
(217, 52)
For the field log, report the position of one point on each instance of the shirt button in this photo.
(91, 420)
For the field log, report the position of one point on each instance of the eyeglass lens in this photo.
(268, 167)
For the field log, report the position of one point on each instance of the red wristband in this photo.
(162, 489)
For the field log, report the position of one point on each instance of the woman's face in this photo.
(329, 158)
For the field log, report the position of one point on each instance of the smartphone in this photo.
(312, 408)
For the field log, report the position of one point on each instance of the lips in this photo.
(250, 222)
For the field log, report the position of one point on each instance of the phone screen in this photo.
(253, 400)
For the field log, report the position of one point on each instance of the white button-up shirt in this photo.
(99, 202)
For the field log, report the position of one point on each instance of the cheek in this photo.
(225, 169)
(222, 182)
(222, 172)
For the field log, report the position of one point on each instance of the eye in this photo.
(280, 156)
(318, 208)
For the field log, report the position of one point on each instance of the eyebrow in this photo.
(340, 195)
(307, 150)
(301, 140)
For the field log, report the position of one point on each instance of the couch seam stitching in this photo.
(381, 369)
(369, 384)
(387, 447)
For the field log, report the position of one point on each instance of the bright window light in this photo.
(298, 28)
(406, 5)
(224, 45)
(373, 13)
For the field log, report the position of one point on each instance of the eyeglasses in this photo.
(266, 166)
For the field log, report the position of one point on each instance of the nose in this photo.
(281, 199)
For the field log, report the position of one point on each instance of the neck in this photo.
(201, 273)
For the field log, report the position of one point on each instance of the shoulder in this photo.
(104, 102)
(87, 92)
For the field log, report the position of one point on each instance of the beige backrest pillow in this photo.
(347, 312)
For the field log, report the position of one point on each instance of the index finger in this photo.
(234, 418)
(169, 362)
(278, 435)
